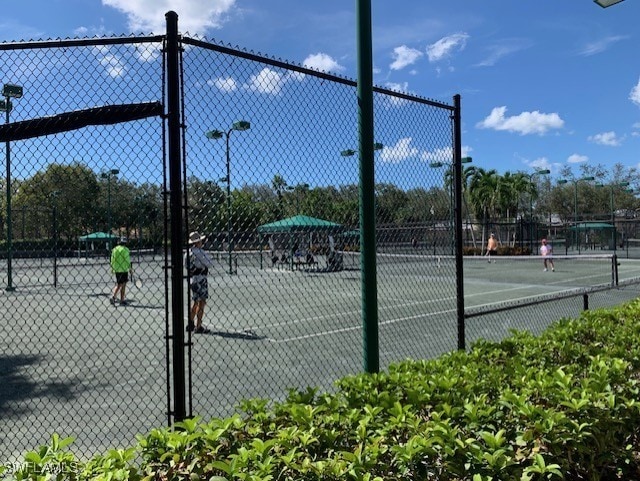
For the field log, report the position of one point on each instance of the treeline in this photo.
(67, 201)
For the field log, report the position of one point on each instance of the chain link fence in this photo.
(278, 199)
(70, 362)
(269, 179)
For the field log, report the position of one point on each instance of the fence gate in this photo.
(153, 138)
(83, 149)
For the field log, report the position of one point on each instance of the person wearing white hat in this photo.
(198, 264)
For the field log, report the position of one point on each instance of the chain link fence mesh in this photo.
(271, 180)
(70, 362)
(285, 191)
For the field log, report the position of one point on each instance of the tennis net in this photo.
(568, 270)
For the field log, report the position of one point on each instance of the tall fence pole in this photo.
(175, 201)
(457, 201)
(367, 189)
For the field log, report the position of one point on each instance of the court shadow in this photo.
(18, 386)
(135, 305)
(247, 334)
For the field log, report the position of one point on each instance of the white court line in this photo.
(355, 328)
(410, 304)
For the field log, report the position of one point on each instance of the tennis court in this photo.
(272, 329)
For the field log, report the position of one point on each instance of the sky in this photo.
(545, 84)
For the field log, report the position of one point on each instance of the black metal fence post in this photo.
(457, 199)
(175, 197)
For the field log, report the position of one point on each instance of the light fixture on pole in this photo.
(531, 176)
(107, 175)
(351, 152)
(607, 3)
(9, 91)
(240, 125)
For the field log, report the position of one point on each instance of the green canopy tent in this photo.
(596, 231)
(298, 224)
(351, 237)
(98, 238)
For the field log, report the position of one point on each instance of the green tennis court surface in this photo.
(272, 329)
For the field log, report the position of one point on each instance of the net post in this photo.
(585, 302)
(614, 270)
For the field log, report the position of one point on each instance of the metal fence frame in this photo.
(178, 355)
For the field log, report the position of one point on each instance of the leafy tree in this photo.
(391, 204)
(483, 194)
(75, 190)
(206, 205)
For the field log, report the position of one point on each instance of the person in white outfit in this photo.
(546, 251)
(199, 263)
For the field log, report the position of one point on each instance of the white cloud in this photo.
(147, 52)
(195, 16)
(636, 131)
(446, 45)
(524, 124)
(606, 138)
(227, 84)
(541, 163)
(577, 158)
(634, 95)
(112, 64)
(600, 45)
(438, 155)
(404, 56)
(496, 52)
(401, 151)
(267, 82)
(396, 87)
(322, 62)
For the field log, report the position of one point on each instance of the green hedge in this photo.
(563, 405)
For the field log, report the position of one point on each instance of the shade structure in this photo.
(300, 223)
(98, 236)
(592, 226)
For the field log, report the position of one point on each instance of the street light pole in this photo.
(575, 204)
(9, 91)
(54, 210)
(531, 176)
(437, 165)
(107, 175)
(613, 212)
(240, 125)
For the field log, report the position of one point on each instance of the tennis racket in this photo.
(136, 280)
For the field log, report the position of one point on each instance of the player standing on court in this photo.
(121, 267)
(198, 263)
(546, 251)
(492, 246)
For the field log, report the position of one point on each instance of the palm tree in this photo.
(511, 188)
(483, 193)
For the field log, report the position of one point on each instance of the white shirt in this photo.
(545, 250)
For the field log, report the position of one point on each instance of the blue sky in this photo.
(544, 83)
